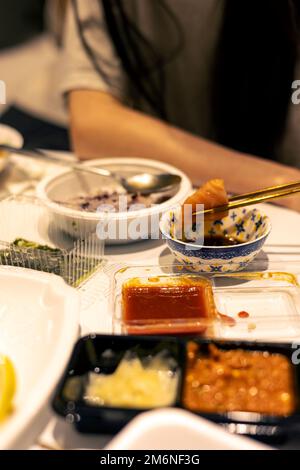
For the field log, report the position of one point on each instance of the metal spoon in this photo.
(144, 183)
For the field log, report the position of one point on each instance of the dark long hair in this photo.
(253, 72)
(253, 76)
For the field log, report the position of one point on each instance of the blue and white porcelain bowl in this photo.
(249, 226)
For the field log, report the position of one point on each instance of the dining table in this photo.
(21, 177)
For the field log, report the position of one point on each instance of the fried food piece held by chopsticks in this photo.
(210, 195)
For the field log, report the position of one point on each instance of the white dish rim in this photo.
(17, 138)
(12, 430)
(151, 421)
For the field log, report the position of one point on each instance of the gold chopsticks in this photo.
(255, 197)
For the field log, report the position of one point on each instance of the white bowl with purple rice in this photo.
(83, 203)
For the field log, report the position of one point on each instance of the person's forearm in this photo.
(108, 128)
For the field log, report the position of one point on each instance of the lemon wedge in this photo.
(7, 386)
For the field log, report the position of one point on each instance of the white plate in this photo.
(39, 317)
(9, 136)
(68, 184)
(178, 430)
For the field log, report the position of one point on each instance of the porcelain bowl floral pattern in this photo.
(249, 226)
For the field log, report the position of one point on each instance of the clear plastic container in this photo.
(30, 237)
(252, 305)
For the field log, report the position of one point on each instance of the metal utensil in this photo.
(255, 197)
(144, 183)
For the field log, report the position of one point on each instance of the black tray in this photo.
(263, 427)
(86, 357)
